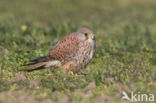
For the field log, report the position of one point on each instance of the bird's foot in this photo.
(77, 74)
(72, 73)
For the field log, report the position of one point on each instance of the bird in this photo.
(72, 53)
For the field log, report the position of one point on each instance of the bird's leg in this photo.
(77, 74)
(72, 73)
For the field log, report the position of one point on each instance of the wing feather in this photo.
(65, 48)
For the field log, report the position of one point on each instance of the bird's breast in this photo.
(85, 53)
(81, 58)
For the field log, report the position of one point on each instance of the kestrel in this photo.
(72, 53)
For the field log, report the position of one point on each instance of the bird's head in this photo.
(89, 36)
(86, 34)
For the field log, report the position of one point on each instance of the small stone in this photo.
(109, 80)
(64, 99)
(90, 86)
(5, 51)
(20, 76)
(35, 83)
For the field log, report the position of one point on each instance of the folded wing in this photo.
(67, 47)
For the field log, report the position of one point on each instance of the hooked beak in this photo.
(91, 36)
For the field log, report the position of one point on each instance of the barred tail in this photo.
(35, 66)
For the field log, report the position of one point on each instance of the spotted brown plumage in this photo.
(65, 48)
(72, 53)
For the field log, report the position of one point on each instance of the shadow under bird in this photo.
(72, 53)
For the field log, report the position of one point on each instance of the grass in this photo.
(125, 58)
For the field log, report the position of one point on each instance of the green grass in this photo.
(125, 58)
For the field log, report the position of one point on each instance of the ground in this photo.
(125, 58)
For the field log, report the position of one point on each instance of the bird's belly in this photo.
(80, 59)
(85, 58)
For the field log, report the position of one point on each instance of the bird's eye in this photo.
(86, 34)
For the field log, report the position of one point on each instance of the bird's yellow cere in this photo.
(91, 36)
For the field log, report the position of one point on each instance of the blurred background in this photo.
(84, 11)
(125, 58)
